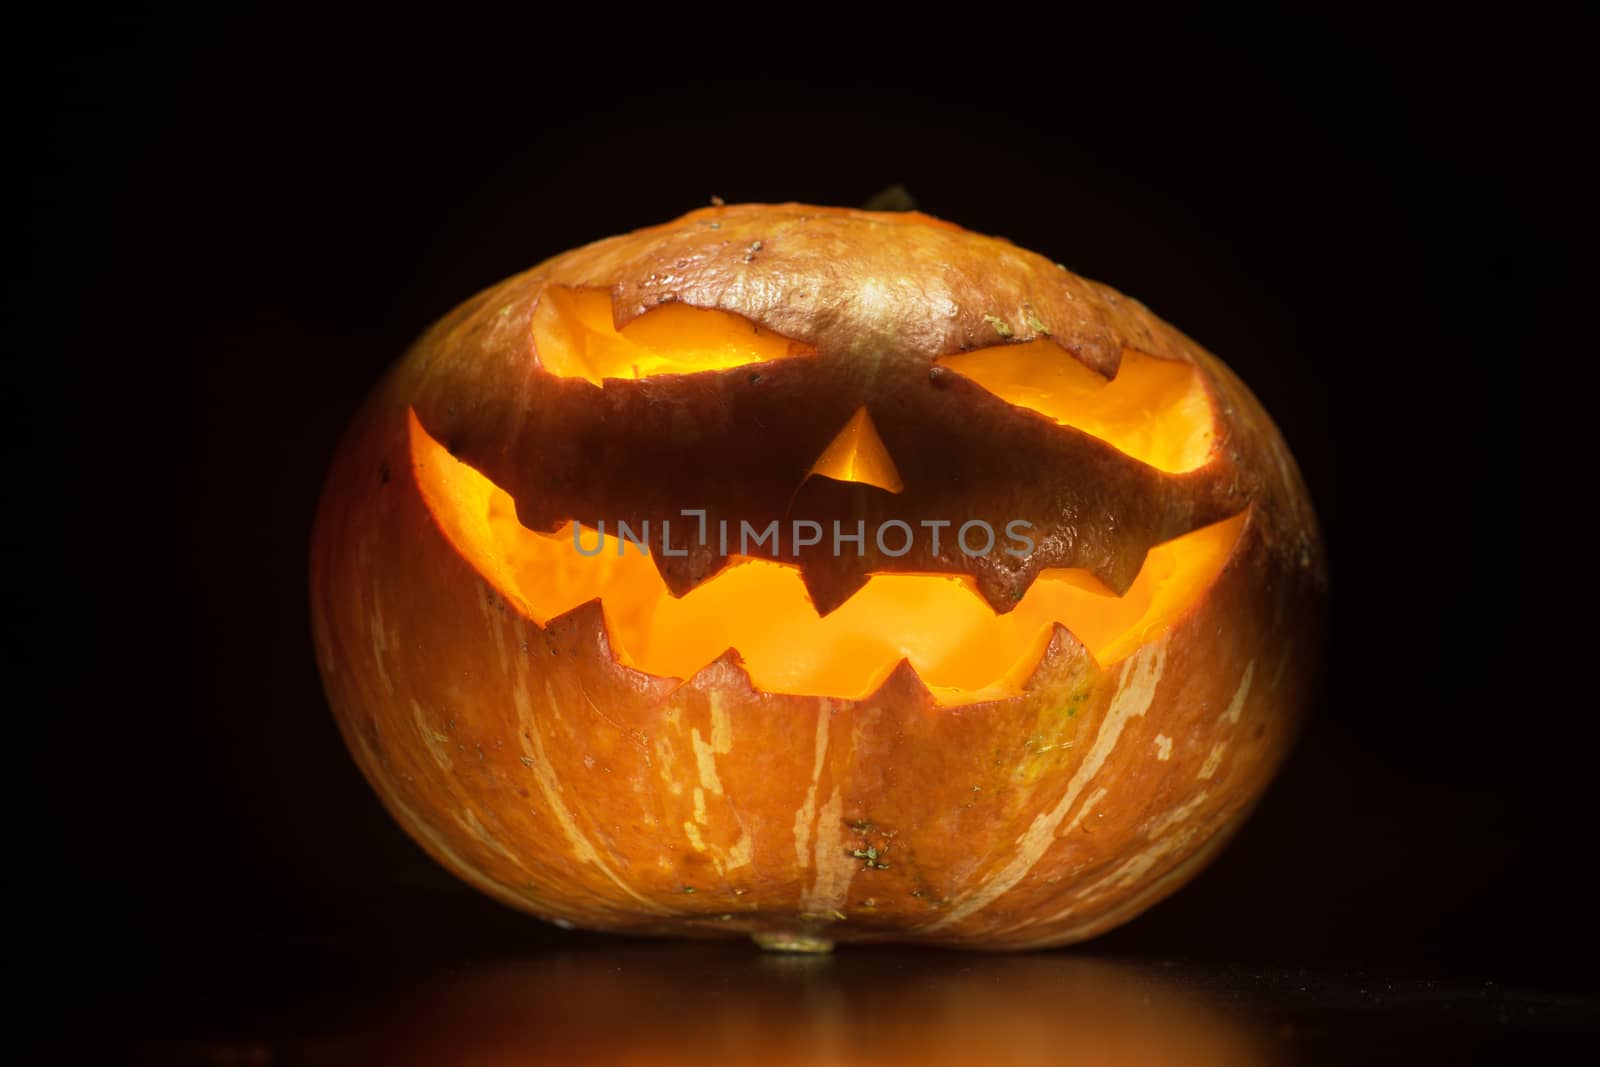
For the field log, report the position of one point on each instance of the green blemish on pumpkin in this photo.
(1000, 325)
(1074, 702)
(869, 856)
(1037, 325)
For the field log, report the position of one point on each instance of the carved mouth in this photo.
(961, 648)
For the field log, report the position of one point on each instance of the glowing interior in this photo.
(575, 337)
(1155, 410)
(857, 454)
(959, 646)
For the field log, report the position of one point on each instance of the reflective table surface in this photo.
(604, 1001)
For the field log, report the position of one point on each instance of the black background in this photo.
(230, 227)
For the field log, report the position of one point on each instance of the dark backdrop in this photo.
(230, 227)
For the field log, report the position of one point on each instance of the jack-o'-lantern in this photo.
(816, 575)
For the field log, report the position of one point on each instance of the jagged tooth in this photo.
(1064, 658)
(1120, 570)
(585, 619)
(830, 586)
(903, 688)
(682, 573)
(725, 674)
(1004, 589)
(582, 633)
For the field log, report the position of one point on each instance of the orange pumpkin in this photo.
(816, 575)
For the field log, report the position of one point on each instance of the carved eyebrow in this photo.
(575, 336)
(1155, 410)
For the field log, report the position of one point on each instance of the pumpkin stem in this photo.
(895, 198)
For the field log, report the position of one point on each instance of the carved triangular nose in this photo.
(857, 454)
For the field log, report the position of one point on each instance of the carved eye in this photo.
(575, 337)
(1154, 410)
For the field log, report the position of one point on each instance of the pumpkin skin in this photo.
(526, 758)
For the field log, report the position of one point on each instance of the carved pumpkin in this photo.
(943, 595)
